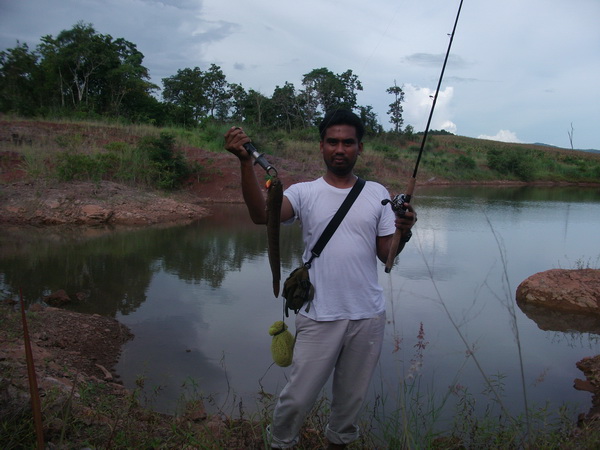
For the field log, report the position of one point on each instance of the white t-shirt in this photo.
(345, 275)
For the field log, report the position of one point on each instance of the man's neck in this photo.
(340, 182)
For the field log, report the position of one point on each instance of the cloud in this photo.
(502, 136)
(434, 60)
(417, 107)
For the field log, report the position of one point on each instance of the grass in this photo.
(387, 158)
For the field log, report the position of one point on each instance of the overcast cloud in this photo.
(519, 71)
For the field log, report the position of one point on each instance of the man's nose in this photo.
(340, 147)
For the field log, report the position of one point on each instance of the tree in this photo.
(369, 120)
(126, 80)
(215, 91)
(255, 108)
(239, 97)
(199, 94)
(395, 110)
(186, 91)
(324, 90)
(285, 104)
(350, 84)
(18, 74)
(84, 70)
(75, 56)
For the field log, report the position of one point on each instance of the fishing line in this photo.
(376, 46)
(382, 36)
(397, 203)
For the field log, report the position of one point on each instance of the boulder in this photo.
(57, 298)
(575, 291)
(95, 214)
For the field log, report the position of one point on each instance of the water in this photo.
(198, 299)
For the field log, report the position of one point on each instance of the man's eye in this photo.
(346, 142)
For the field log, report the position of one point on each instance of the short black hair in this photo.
(342, 117)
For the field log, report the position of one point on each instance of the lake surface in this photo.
(198, 299)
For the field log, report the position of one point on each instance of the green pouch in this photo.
(298, 290)
(282, 345)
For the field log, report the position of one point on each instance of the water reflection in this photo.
(198, 297)
(114, 270)
(550, 320)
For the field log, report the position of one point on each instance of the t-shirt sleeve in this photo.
(387, 221)
(292, 194)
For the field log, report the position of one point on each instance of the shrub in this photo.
(519, 163)
(77, 166)
(167, 167)
(464, 162)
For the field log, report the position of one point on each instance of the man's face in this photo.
(340, 149)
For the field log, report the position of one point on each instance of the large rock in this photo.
(576, 291)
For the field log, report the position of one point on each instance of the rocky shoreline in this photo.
(93, 204)
(565, 300)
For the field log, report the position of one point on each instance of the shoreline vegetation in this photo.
(98, 170)
(164, 158)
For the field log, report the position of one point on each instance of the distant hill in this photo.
(592, 150)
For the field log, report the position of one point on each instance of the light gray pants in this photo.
(352, 348)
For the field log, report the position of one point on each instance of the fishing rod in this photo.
(397, 203)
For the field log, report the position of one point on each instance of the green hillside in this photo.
(154, 156)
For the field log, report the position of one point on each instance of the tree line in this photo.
(83, 73)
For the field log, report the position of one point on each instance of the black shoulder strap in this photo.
(336, 219)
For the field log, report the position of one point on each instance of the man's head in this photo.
(342, 117)
(341, 134)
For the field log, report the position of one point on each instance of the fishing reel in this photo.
(397, 203)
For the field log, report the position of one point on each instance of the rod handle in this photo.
(258, 157)
(403, 198)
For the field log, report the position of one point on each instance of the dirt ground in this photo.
(65, 345)
(69, 346)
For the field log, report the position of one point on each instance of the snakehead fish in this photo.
(274, 200)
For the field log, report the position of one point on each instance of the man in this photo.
(342, 332)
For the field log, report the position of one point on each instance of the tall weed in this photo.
(154, 162)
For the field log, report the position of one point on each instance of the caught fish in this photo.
(274, 200)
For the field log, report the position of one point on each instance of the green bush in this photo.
(383, 148)
(154, 162)
(464, 162)
(77, 166)
(167, 167)
(519, 163)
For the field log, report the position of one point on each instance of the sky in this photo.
(519, 70)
